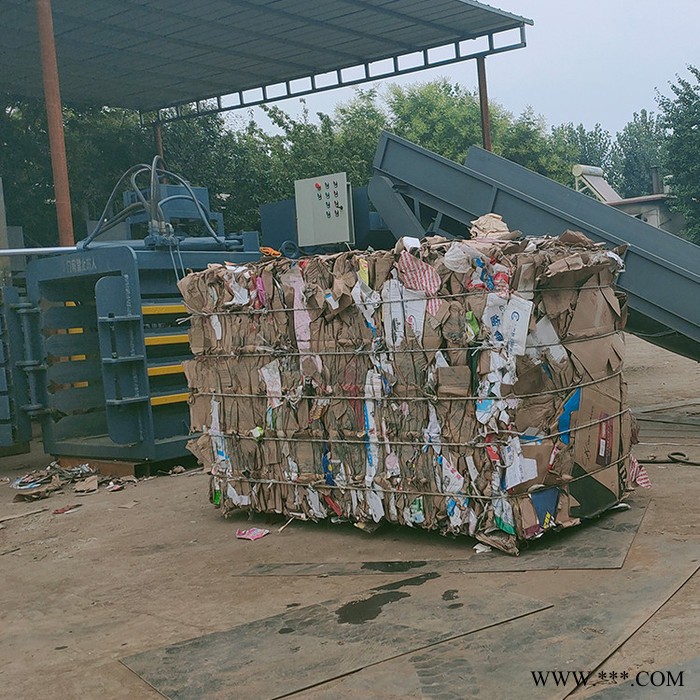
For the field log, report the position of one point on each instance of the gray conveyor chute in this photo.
(662, 277)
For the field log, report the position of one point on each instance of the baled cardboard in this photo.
(473, 388)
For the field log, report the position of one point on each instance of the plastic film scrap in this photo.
(467, 387)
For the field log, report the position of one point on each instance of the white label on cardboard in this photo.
(293, 472)
(484, 410)
(544, 340)
(452, 480)
(456, 515)
(460, 257)
(236, 498)
(316, 508)
(492, 317)
(216, 325)
(366, 300)
(409, 242)
(354, 500)
(222, 464)
(518, 468)
(240, 294)
(471, 467)
(524, 469)
(375, 504)
(515, 324)
(393, 514)
(215, 425)
(440, 360)
(373, 390)
(508, 321)
(270, 374)
(331, 301)
(393, 313)
(431, 434)
(391, 463)
(415, 304)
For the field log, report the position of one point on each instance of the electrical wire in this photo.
(399, 399)
(321, 485)
(385, 439)
(376, 304)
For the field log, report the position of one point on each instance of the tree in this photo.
(100, 144)
(358, 124)
(264, 166)
(527, 143)
(442, 117)
(253, 176)
(588, 147)
(637, 148)
(681, 119)
(200, 150)
(26, 170)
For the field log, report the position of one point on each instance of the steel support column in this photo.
(57, 144)
(484, 103)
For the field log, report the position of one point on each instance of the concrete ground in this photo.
(156, 564)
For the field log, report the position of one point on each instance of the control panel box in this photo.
(324, 210)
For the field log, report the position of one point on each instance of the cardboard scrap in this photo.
(86, 486)
(466, 387)
(41, 483)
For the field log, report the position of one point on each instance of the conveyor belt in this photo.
(662, 277)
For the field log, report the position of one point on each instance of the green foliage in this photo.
(588, 147)
(527, 143)
(681, 118)
(244, 165)
(358, 124)
(26, 170)
(443, 117)
(638, 148)
(100, 145)
(252, 177)
(439, 116)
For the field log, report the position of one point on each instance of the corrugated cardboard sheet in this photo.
(466, 386)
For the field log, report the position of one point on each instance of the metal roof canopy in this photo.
(157, 56)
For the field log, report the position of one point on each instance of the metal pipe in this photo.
(37, 251)
(484, 103)
(158, 136)
(57, 144)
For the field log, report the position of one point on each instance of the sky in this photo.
(586, 61)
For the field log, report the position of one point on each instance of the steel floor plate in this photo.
(602, 543)
(309, 645)
(432, 635)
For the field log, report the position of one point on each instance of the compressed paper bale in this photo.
(470, 387)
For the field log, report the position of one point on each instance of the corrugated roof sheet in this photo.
(147, 54)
